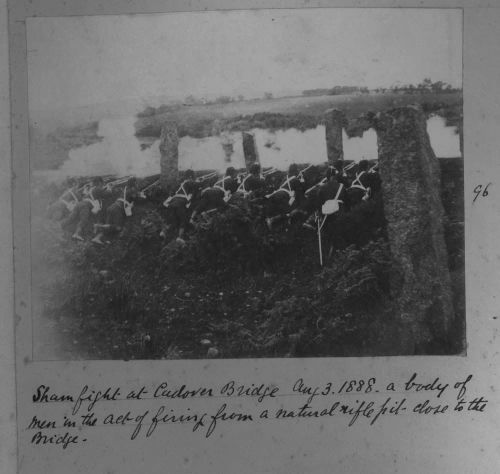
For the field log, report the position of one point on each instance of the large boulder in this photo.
(410, 175)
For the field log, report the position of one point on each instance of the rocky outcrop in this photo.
(412, 204)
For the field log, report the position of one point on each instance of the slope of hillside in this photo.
(247, 291)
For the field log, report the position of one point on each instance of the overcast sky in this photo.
(86, 60)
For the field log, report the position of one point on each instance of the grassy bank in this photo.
(235, 290)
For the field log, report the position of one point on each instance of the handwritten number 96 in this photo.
(479, 191)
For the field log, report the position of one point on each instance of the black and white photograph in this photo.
(283, 183)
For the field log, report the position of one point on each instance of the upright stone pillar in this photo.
(227, 146)
(410, 176)
(250, 149)
(335, 121)
(169, 160)
(226, 141)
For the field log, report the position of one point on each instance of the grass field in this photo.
(299, 112)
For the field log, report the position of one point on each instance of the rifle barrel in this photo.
(207, 176)
(269, 171)
(315, 186)
(150, 185)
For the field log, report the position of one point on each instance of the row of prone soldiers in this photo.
(103, 207)
(303, 196)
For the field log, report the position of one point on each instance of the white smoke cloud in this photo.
(208, 153)
(284, 147)
(361, 148)
(444, 140)
(120, 151)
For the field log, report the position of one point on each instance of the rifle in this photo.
(301, 173)
(149, 186)
(350, 166)
(323, 181)
(117, 182)
(268, 172)
(206, 177)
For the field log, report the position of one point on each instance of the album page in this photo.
(253, 238)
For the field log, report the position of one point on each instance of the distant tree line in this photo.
(427, 85)
(337, 90)
(223, 99)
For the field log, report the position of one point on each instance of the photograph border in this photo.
(481, 254)
(21, 302)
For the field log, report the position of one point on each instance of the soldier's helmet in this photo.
(189, 174)
(293, 170)
(255, 169)
(363, 165)
(231, 172)
(339, 165)
(330, 173)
